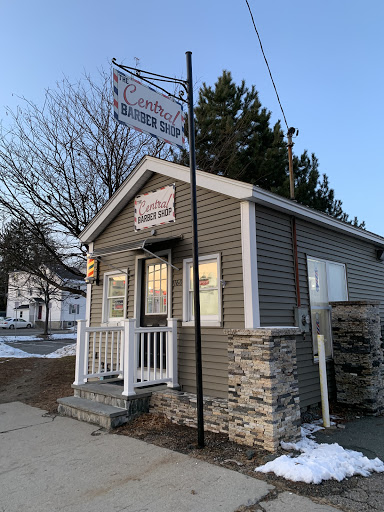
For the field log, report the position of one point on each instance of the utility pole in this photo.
(290, 133)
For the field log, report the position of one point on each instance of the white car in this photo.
(15, 323)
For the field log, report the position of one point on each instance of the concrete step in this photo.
(108, 394)
(82, 409)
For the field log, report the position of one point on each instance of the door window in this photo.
(156, 288)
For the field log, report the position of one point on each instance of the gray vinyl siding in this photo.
(277, 295)
(365, 275)
(219, 225)
(277, 292)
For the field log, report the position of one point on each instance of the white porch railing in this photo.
(142, 356)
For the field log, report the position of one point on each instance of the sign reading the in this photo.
(155, 208)
(146, 110)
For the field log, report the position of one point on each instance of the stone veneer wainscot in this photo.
(358, 354)
(263, 395)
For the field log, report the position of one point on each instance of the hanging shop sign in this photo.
(155, 208)
(145, 110)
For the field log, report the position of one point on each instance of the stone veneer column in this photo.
(263, 392)
(358, 354)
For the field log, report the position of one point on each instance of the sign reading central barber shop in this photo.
(145, 110)
(155, 208)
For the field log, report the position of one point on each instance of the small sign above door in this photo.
(155, 208)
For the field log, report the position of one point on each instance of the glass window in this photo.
(210, 289)
(156, 289)
(327, 282)
(74, 309)
(116, 287)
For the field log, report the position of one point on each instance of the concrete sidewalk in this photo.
(61, 464)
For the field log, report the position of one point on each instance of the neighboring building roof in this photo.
(229, 187)
(61, 272)
(66, 275)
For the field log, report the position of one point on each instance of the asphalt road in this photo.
(12, 337)
(364, 435)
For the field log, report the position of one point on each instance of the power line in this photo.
(265, 58)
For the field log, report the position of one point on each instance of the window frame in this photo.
(325, 308)
(213, 320)
(105, 308)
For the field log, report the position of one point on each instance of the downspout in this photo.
(296, 261)
(290, 133)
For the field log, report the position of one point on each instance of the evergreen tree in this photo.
(234, 139)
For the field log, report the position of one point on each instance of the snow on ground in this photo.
(319, 462)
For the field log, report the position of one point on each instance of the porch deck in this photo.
(117, 368)
(113, 389)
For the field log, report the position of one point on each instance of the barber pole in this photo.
(90, 277)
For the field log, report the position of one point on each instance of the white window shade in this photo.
(337, 285)
(317, 279)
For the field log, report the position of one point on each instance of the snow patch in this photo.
(319, 462)
(68, 350)
(7, 351)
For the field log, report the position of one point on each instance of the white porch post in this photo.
(249, 261)
(129, 357)
(81, 354)
(172, 353)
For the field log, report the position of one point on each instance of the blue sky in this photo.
(326, 59)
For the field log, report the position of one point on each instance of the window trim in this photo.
(105, 318)
(216, 322)
(329, 307)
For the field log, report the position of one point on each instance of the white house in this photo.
(28, 295)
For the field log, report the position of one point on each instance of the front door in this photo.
(153, 313)
(154, 293)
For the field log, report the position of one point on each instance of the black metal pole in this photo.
(196, 286)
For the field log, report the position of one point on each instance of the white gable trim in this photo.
(143, 172)
(232, 188)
